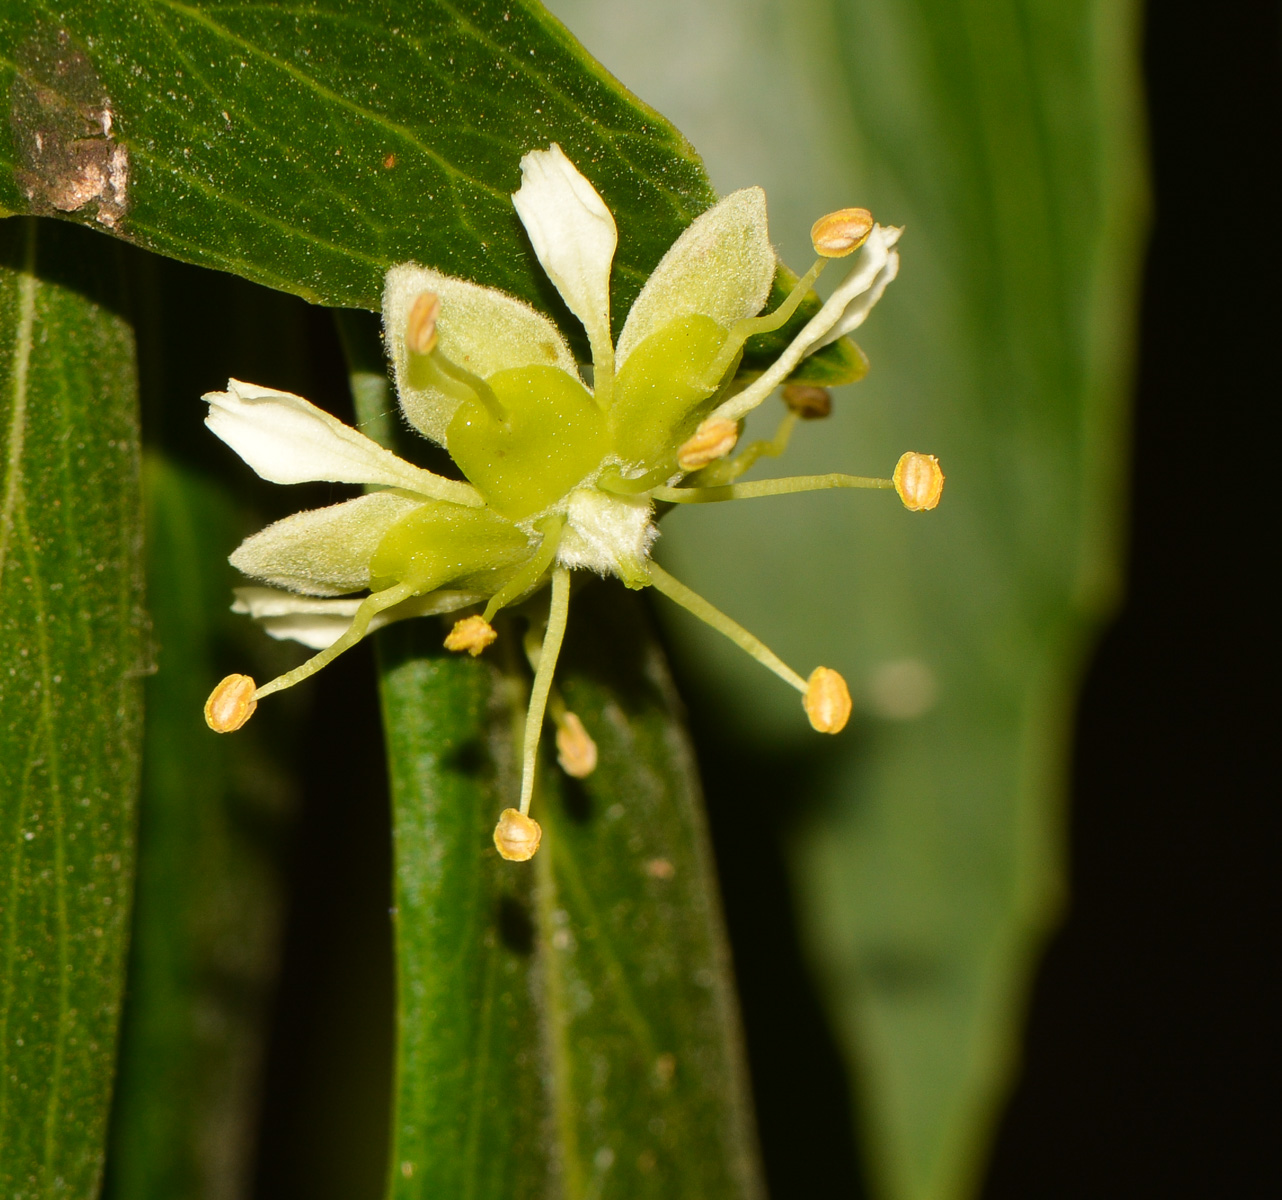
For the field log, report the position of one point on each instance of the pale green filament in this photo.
(458, 382)
(748, 327)
(729, 469)
(692, 602)
(529, 575)
(551, 650)
(766, 487)
(369, 608)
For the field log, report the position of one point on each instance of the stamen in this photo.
(420, 329)
(713, 439)
(841, 232)
(727, 472)
(370, 606)
(867, 267)
(529, 575)
(558, 614)
(766, 487)
(230, 704)
(692, 602)
(748, 327)
(827, 700)
(472, 634)
(575, 749)
(808, 402)
(516, 836)
(919, 481)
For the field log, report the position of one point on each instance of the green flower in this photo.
(562, 474)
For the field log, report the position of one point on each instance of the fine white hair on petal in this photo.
(323, 551)
(573, 235)
(480, 329)
(721, 266)
(605, 533)
(287, 439)
(868, 266)
(320, 623)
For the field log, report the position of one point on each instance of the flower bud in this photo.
(516, 836)
(575, 749)
(919, 481)
(420, 329)
(231, 704)
(827, 700)
(841, 232)
(472, 634)
(714, 439)
(808, 402)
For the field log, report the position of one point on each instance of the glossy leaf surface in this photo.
(1005, 139)
(309, 149)
(71, 661)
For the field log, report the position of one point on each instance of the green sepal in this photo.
(552, 436)
(659, 392)
(441, 544)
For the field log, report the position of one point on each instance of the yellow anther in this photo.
(516, 836)
(575, 749)
(841, 232)
(808, 402)
(919, 481)
(231, 704)
(420, 329)
(714, 439)
(472, 634)
(827, 700)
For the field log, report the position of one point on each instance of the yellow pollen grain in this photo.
(472, 634)
(919, 481)
(827, 700)
(420, 329)
(231, 704)
(810, 403)
(516, 836)
(714, 439)
(842, 232)
(575, 749)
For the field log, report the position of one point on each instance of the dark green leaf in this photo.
(310, 149)
(1005, 139)
(567, 1026)
(71, 658)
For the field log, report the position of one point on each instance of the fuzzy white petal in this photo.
(286, 439)
(722, 266)
(323, 551)
(858, 309)
(869, 264)
(478, 328)
(320, 623)
(573, 235)
(611, 535)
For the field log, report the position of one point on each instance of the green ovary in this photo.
(442, 544)
(552, 436)
(659, 394)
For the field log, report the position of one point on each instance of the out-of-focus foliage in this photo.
(71, 660)
(1006, 139)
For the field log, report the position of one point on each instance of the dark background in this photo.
(1150, 1059)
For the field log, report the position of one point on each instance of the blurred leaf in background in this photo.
(1007, 139)
(72, 657)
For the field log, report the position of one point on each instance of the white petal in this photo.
(858, 309)
(320, 623)
(574, 237)
(722, 266)
(872, 259)
(286, 439)
(324, 551)
(480, 329)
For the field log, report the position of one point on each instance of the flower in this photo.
(561, 475)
